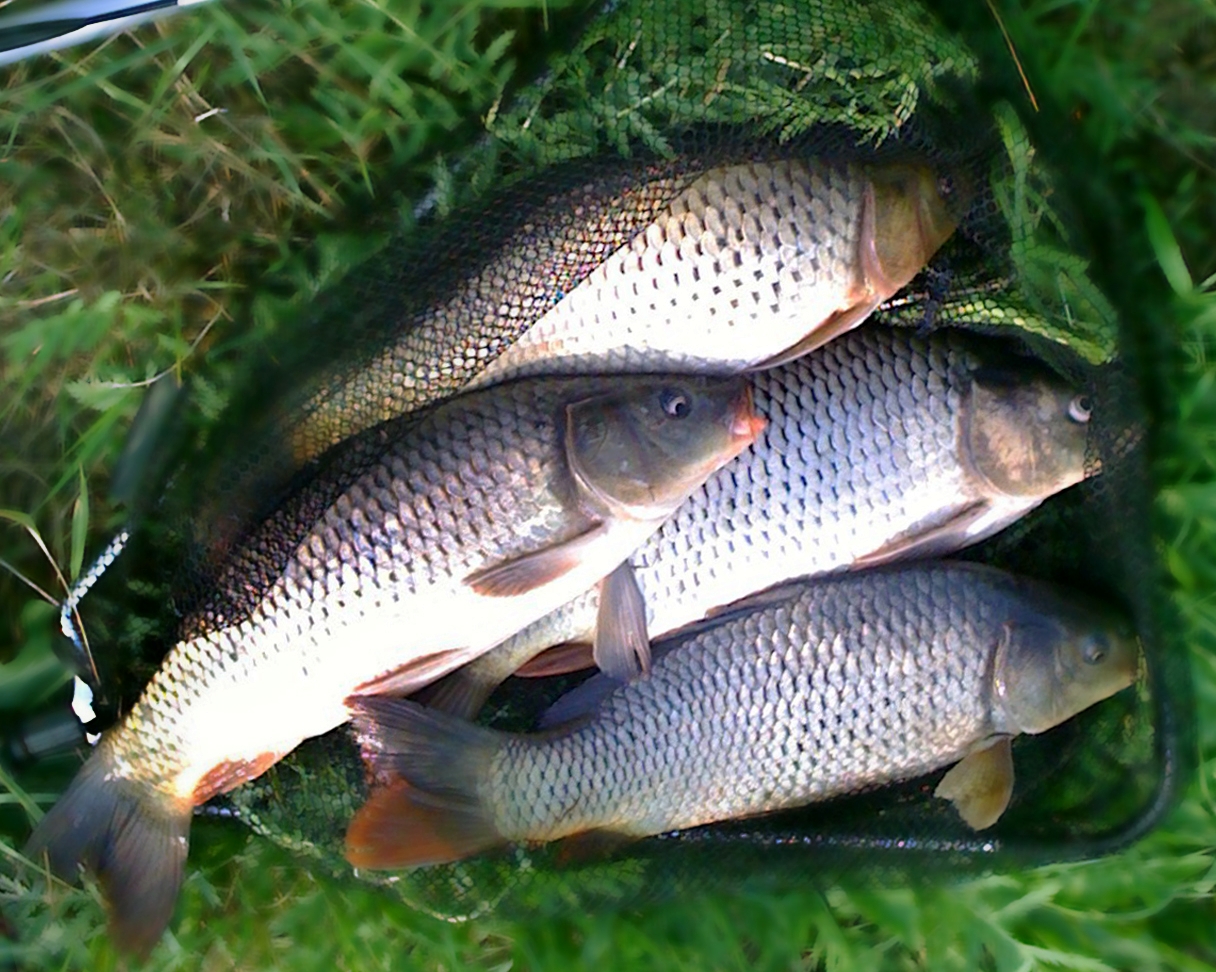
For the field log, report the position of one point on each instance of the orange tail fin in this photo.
(437, 815)
(401, 826)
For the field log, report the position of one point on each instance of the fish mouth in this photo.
(1134, 667)
(745, 424)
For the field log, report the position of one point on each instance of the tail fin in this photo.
(129, 837)
(436, 816)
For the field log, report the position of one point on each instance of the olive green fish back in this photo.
(651, 93)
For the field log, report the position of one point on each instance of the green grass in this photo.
(133, 220)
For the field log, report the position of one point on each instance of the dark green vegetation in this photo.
(133, 219)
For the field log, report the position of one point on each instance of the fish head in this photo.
(1053, 664)
(911, 210)
(641, 449)
(1025, 430)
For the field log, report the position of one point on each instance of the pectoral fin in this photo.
(532, 570)
(944, 538)
(981, 784)
(622, 643)
(837, 324)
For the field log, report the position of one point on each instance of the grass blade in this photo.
(1165, 246)
(80, 527)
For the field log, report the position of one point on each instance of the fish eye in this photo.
(945, 187)
(1080, 409)
(674, 403)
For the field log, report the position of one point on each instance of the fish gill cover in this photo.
(649, 97)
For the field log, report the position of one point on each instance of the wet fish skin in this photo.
(815, 690)
(884, 445)
(409, 327)
(636, 267)
(769, 250)
(437, 323)
(788, 253)
(434, 540)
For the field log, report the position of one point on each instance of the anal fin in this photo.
(232, 773)
(409, 678)
(591, 846)
(574, 656)
(457, 694)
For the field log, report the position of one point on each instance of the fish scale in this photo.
(858, 712)
(771, 245)
(816, 690)
(689, 264)
(865, 444)
(381, 574)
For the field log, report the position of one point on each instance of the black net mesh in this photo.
(652, 94)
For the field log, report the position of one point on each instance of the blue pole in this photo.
(50, 26)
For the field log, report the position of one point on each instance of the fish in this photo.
(432, 540)
(737, 266)
(707, 261)
(695, 264)
(814, 690)
(689, 264)
(884, 445)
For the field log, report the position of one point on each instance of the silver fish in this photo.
(814, 690)
(884, 445)
(430, 541)
(735, 266)
(685, 265)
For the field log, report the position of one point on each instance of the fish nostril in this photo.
(1095, 654)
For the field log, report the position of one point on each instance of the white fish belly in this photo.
(297, 669)
(705, 286)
